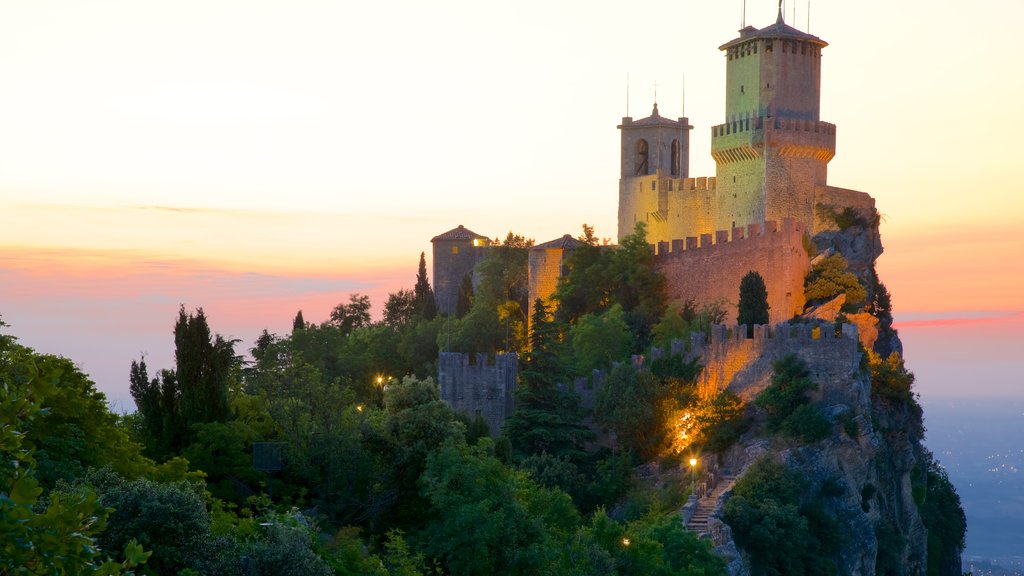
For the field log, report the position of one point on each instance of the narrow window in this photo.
(640, 165)
(676, 152)
(455, 249)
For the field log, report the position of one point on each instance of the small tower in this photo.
(547, 265)
(773, 151)
(655, 151)
(456, 254)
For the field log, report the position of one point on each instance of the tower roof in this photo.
(656, 119)
(566, 242)
(459, 233)
(778, 30)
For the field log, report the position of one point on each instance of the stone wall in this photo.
(743, 365)
(706, 271)
(483, 388)
(453, 261)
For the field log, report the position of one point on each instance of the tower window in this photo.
(741, 89)
(640, 164)
(653, 184)
(455, 249)
(675, 158)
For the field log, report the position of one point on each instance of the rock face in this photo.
(873, 460)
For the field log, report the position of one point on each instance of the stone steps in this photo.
(706, 506)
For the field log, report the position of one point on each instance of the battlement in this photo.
(773, 123)
(477, 386)
(732, 360)
(722, 238)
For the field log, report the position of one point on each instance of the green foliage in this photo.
(299, 323)
(355, 314)
(170, 519)
(547, 419)
(465, 297)
(628, 405)
(944, 518)
(655, 545)
(722, 422)
(600, 277)
(486, 518)
(678, 323)
(807, 423)
(753, 302)
(195, 392)
(60, 535)
(787, 405)
(426, 305)
(286, 550)
(784, 533)
(847, 217)
(400, 309)
(829, 278)
(599, 340)
(223, 451)
(890, 379)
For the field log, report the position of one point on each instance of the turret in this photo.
(652, 148)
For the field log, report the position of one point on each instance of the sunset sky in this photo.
(260, 157)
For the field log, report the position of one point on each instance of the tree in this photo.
(158, 402)
(547, 419)
(299, 323)
(203, 367)
(355, 314)
(426, 305)
(773, 520)
(58, 536)
(400, 309)
(465, 301)
(599, 340)
(753, 303)
(831, 277)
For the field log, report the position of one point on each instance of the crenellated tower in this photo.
(773, 150)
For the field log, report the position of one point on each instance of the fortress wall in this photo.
(743, 365)
(839, 198)
(706, 272)
(479, 388)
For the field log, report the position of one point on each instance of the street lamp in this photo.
(693, 475)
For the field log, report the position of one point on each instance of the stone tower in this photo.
(654, 151)
(456, 254)
(772, 152)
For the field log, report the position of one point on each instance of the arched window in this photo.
(675, 158)
(640, 164)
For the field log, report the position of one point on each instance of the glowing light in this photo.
(359, 407)
(693, 461)
(380, 379)
(625, 541)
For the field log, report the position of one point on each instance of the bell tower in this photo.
(773, 150)
(655, 151)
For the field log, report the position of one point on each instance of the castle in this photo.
(769, 196)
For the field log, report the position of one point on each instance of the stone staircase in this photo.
(705, 506)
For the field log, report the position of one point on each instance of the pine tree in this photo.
(753, 305)
(546, 419)
(299, 323)
(426, 306)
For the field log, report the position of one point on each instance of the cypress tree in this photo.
(203, 367)
(424, 294)
(753, 306)
(299, 323)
